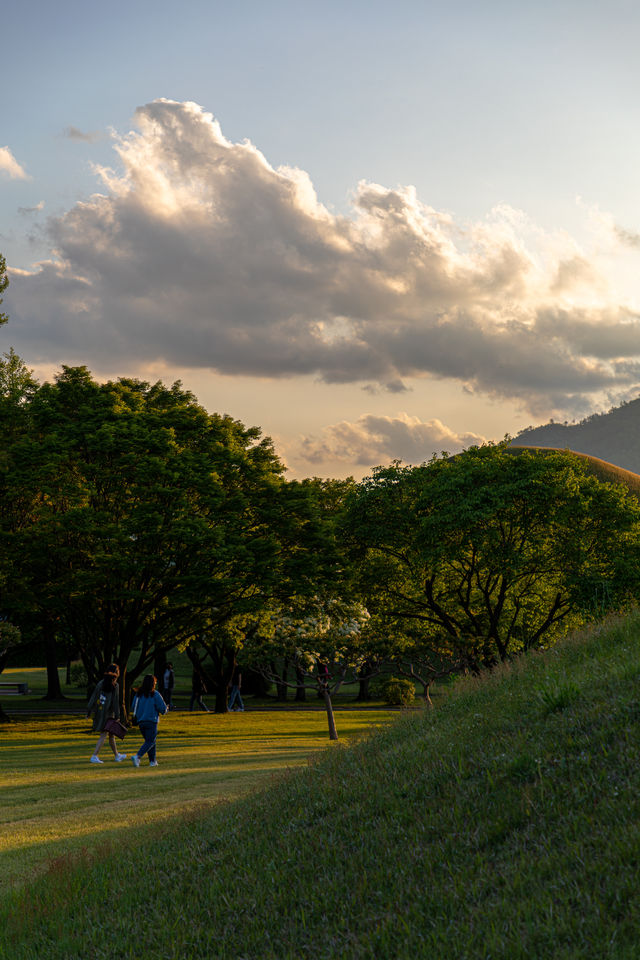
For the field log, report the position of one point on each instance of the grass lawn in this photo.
(504, 825)
(55, 803)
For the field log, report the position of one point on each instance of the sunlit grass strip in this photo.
(54, 802)
(506, 825)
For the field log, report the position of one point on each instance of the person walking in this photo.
(236, 684)
(147, 708)
(197, 689)
(105, 700)
(168, 683)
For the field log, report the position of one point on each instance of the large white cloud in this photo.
(199, 253)
(372, 439)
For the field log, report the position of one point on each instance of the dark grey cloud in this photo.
(197, 252)
(28, 211)
(73, 133)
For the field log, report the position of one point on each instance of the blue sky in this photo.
(380, 323)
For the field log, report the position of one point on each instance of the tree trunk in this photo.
(301, 690)
(159, 667)
(425, 694)
(364, 681)
(363, 689)
(4, 657)
(54, 690)
(326, 696)
(219, 672)
(281, 684)
(126, 694)
(221, 700)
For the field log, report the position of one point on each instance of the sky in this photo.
(375, 230)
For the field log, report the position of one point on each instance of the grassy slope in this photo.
(607, 472)
(506, 824)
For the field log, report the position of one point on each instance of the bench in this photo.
(13, 688)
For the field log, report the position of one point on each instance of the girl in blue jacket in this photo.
(147, 707)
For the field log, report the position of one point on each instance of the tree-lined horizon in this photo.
(134, 522)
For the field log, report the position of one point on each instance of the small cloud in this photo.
(393, 386)
(73, 133)
(627, 237)
(396, 386)
(25, 211)
(378, 439)
(10, 166)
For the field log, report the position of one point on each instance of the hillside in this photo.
(613, 437)
(504, 824)
(607, 472)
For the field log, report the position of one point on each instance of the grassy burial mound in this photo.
(614, 436)
(601, 469)
(504, 824)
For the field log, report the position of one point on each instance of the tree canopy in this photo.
(135, 520)
(4, 283)
(488, 553)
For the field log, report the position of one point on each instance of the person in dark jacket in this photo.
(168, 683)
(197, 689)
(147, 708)
(105, 700)
(236, 696)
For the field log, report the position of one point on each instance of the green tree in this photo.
(17, 387)
(489, 553)
(146, 521)
(293, 530)
(4, 283)
(324, 638)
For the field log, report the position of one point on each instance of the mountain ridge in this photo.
(613, 437)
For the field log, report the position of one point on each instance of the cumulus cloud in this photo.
(372, 440)
(199, 253)
(10, 167)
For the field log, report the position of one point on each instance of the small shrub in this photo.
(396, 691)
(78, 675)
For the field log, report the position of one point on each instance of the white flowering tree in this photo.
(324, 639)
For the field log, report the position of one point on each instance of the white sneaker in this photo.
(135, 760)
(121, 756)
(95, 759)
(153, 763)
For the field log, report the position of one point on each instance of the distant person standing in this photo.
(168, 683)
(147, 708)
(236, 684)
(197, 689)
(105, 700)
